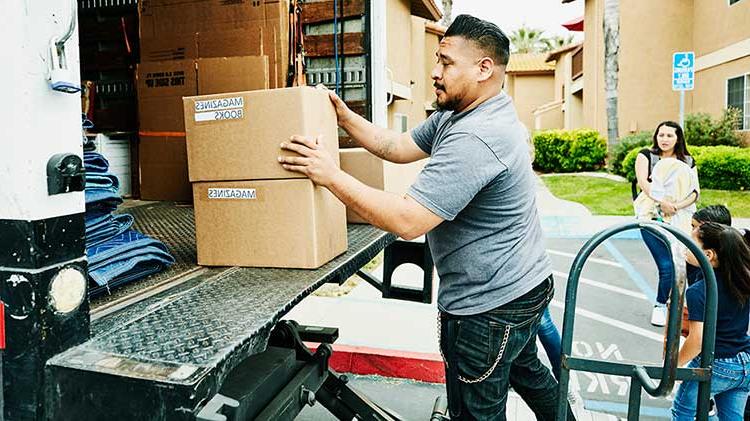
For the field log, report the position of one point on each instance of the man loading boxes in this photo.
(475, 201)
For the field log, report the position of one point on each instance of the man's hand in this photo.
(343, 113)
(315, 162)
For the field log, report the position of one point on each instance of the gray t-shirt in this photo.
(490, 249)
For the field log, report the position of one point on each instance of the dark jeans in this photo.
(501, 345)
(663, 259)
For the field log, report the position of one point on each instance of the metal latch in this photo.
(65, 174)
(212, 410)
(61, 77)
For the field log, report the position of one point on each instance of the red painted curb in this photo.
(387, 363)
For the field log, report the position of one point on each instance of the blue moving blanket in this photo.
(110, 226)
(125, 258)
(116, 253)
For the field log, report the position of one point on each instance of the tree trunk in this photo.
(611, 68)
(447, 6)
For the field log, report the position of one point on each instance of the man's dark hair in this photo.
(486, 35)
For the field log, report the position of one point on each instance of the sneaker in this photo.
(712, 407)
(659, 315)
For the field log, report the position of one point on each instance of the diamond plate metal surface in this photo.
(172, 224)
(218, 319)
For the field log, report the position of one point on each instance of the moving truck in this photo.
(188, 342)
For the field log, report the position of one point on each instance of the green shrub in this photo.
(719, 167)
(723, 167)
(628, 163)
(703, 130)
(569, 151)
(625, 145)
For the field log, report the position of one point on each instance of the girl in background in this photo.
(729, 255)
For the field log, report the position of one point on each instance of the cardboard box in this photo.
(174, 30)
(233, 42)
(174, 47)
(163, 169)
(276, 46)
(377, 173)
(236, 136)
(232, 74)
(162, 85)
(160, 19)
(266, 40)
(268, 223)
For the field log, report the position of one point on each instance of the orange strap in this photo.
(162, 134)
(125, 35)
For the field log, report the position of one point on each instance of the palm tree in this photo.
(527, 40)
(611, 68)
(447, 8)
(557, 41)
(530, 40)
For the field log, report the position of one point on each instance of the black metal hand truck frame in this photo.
(640, 376)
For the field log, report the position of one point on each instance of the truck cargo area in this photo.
(167, 346)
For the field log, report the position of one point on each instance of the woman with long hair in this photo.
(729, 254)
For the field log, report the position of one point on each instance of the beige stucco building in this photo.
(530, 81)
(412, 40)
(718, 31)
(566, 108)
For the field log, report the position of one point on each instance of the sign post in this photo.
(683, 78)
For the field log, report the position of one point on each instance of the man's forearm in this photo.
(381, 142)
(387, 211)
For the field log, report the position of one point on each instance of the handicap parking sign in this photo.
(683, 71)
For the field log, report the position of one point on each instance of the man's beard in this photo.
(450, 103)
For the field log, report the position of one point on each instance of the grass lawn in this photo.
(606, 197)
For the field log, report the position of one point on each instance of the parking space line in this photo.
(622, 408)
(613, 322)
(591, 259)
(631, 271)
(603, 285)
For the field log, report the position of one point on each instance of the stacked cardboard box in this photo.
(249, 211)
(161, 86)
(199, 47)
(377, 173)
(179, 29)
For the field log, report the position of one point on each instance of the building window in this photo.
(731, 2)
(738, 96)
